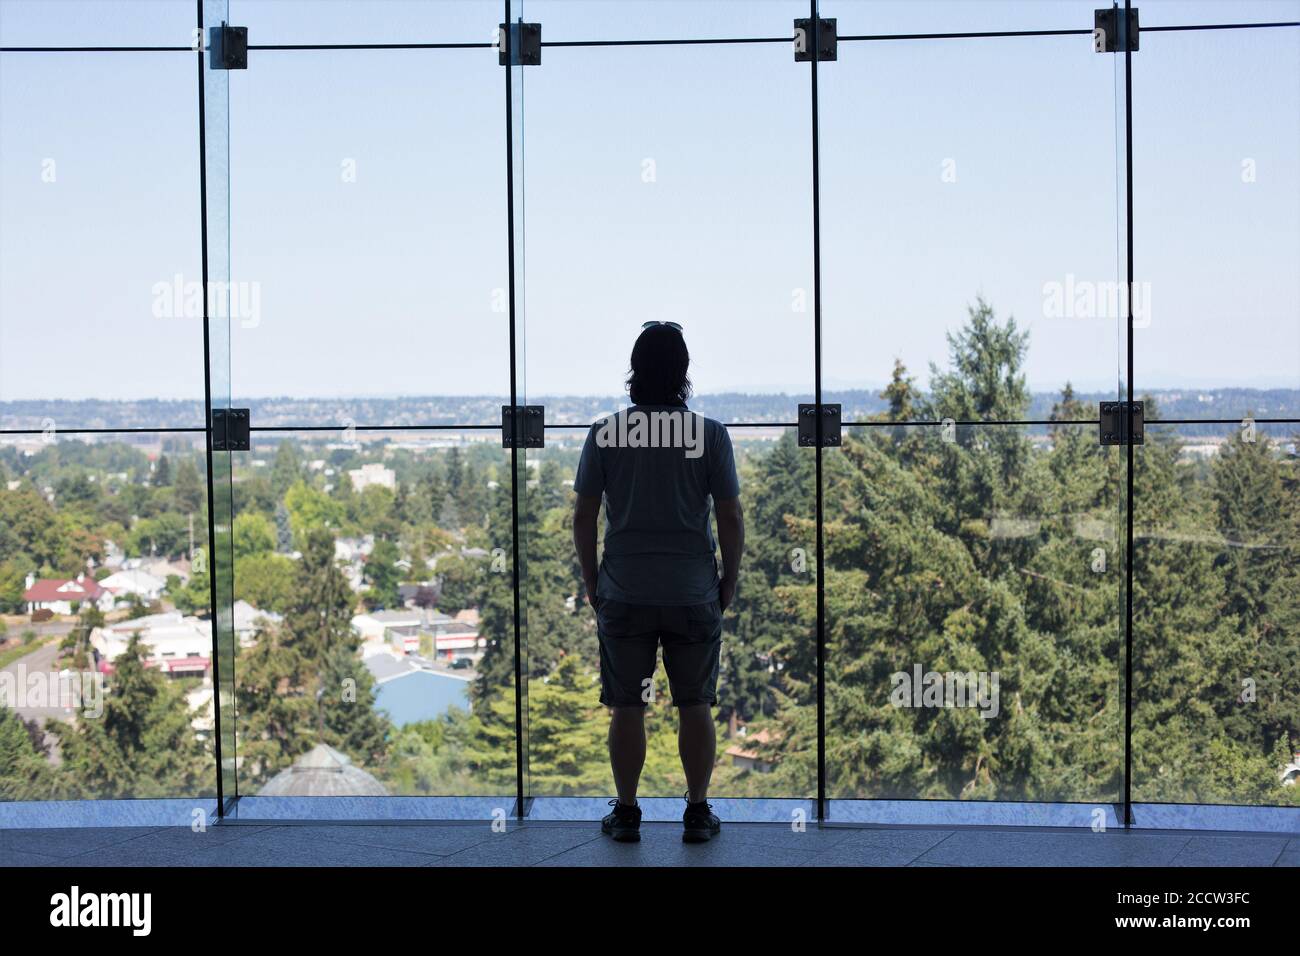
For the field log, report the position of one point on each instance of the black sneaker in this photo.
(699, 823)
(623, 823)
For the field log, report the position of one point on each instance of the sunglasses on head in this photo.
(650, 325)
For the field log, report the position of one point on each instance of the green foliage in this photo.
(142, 745)
(999, 551)
(266, 581)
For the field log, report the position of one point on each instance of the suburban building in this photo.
(60, 594)
(145, 586)
(409, 693)
(743, 754)
(373, 474)
(178, 646)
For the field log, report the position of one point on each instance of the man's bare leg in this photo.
(627, 750)
(696, 744)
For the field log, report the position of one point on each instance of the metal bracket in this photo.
(531, 430)
(230, 429)
(523, 43)
(827, 39)
(1122, 423)
(229, 46)
(1110, 29)
(808, 425)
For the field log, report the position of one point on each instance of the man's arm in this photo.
(731, 539)
(586, 513)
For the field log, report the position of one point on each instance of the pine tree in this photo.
(141, 746)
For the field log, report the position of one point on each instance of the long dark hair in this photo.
(658, 373)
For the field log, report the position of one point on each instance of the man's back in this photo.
(658, 466)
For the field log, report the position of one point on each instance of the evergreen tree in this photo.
(141, 746)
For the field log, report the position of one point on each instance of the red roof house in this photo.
(59, 594)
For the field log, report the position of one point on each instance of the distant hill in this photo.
(731, 407)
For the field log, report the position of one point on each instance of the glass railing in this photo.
(971, 230)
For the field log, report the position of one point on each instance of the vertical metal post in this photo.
(817, 400)
(520, 755)
(207, 412)
(1128, 375)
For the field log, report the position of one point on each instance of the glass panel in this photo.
(973, 585)
(1187, 12)
(1216, 614)
(766, 692)
(368, 222)
(100, 311)
(374, 654)
(974, 640)
(661, 211)
(96, 23)
(886, 17)
(97, 539)
(1216, 157)
(573, 20)
(224, 306)
(939, 168)
(273, 22)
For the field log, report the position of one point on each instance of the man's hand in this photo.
(586, 511)
(726, 592)
(731, 539)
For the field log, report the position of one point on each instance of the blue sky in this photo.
(950, 169)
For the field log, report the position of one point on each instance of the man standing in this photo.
(657, 466)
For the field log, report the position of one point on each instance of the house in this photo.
(177, 645)
(353, 550)
(455, 639)
(373, 474)
(424, 594)
(375, 625)
(746, 757)
(141, 583)
(410, 694)
(405, 629)
(59, 594)
(247, 619)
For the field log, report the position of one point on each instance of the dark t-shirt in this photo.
(658, 467)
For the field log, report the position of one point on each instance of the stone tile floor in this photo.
(537, 843)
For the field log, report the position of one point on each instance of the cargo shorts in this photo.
(631, 634)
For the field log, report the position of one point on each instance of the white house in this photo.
(176, 645)
(376, 625)
(246, 620)
(373, 474)
(139, 582)
(59, 595)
